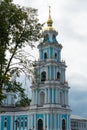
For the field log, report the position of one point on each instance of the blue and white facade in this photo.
(49, 109)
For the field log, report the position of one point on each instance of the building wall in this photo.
(30, 121)
(78, 124)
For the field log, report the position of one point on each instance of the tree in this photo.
(19, 27)
(23, 101)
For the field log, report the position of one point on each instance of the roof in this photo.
(78, 117)
(13, 109)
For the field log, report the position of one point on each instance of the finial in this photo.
(49, 10)
(49, 21)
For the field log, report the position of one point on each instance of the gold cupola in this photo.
(49, 21)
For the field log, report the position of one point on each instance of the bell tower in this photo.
(50, 107)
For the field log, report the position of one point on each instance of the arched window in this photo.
(46, 38)
(58, 75)
(45, 55)
(55, 55)
(54, 38)
(63, 125)
(43, 76)
(40, 124)
(42, 98)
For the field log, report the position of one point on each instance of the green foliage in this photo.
(36, 76)
(23, 101)
(19, 27)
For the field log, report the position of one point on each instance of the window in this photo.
(58, 75)
(54, 38)
(17, 123)
(25, 123)
(46, 38)
(42, 98)
(55, 55)
(21, 123)
(5, 122)
(25, 118)
(43, 76)
(40, 124)
(45, 55)
(63, 125)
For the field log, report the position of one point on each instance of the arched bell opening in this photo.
(45, 56)
(43, 76)
(40, 124)
(58, 75)
(63, 124)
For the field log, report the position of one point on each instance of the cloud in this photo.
(78, 102)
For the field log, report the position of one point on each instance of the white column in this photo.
(58, 122)
(28, 125)
(63, 97)
(54, 121)
(49, 72)
(59, 96)
(34, 121)
(51, 121)
(47, 121)
(45, 96)
(30, 122)
(67, 99)
(32, 97)
(0, 122)
(56, 95)
(44, 122)
(54, 73)
(36, 97)
(11, 122)
(52, 95)
(67, 123)
(48, 95)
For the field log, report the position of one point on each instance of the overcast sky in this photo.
(70, 20)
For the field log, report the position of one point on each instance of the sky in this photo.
(70, 20)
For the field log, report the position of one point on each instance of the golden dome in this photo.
(49, 21)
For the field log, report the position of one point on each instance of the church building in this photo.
(49, 109)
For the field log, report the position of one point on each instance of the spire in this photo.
(49, 21)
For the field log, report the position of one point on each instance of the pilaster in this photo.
(52, 95)
(48, 95)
